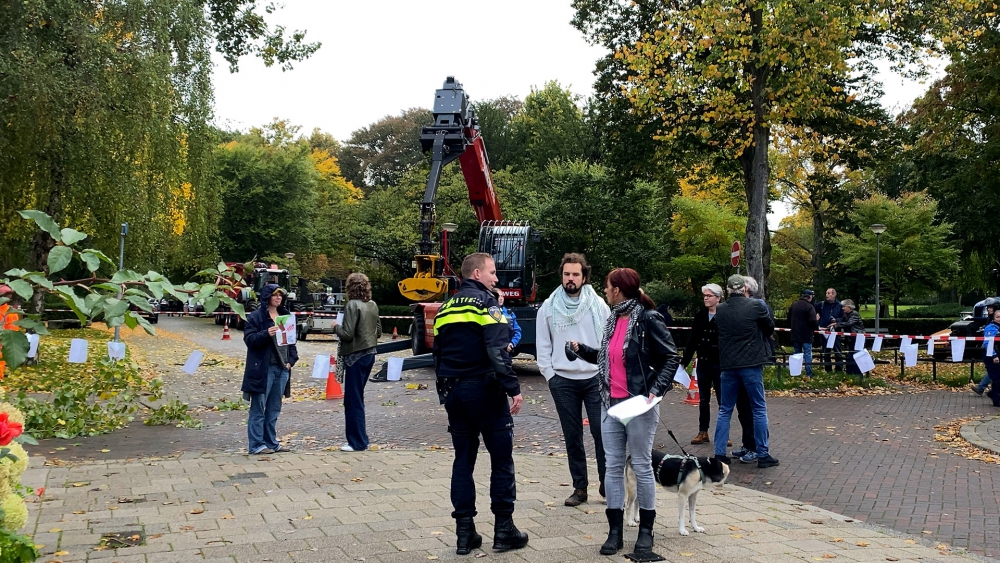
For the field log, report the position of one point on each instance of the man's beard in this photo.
(571, 289)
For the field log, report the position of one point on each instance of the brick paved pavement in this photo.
(871, 458)
(391, 506)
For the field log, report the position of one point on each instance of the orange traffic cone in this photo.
(395, 333)
(225, 330)
(333, 390)
(694, 395)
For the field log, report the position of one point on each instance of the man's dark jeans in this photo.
(570, 396)
(476, 407)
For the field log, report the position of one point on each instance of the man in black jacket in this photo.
(804, 319)
(744, 327)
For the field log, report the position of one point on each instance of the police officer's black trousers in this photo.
(478, 406)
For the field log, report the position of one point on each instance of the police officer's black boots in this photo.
(506, 536)
(468, 539)
(616, 518)
(644, 543)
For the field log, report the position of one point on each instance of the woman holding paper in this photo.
(358, 336)
(268, 370)
(850, 323)
(637, 358)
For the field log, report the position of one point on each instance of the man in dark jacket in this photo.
(744, 327)
(831, 312)
(267, 374)
(803, 318)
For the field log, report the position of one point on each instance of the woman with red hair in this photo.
(637, 358)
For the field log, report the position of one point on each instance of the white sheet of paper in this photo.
(930, 346)
(795, 364)
(394, 369)
(958, 349)
(627, 410)
(859, 342)
(909, 355)
(116, 350)
(877, 345)
(905, 341)
(340, 318)
(321, 366)
(193, 361)
(864, 361)
(831, 339)
(682, 377)
(33, 345)
(989, 347)
(78, 351)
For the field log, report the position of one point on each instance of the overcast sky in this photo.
(380, 57)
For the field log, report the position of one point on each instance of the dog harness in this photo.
(680, 473)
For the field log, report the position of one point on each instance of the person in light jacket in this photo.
(358, 336)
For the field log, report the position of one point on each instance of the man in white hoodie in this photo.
(573, 312)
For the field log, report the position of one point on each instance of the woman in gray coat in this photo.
(358, 336)
(850, 323)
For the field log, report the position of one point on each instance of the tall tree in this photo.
(551, 126)
(379, 155)
(495, 118)
(721, 74)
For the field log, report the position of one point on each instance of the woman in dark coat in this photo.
(268, 371)
(850, 323)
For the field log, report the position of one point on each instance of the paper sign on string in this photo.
(864, 361)
(193, 361)
(116, 350)
(831, 339)
(906, 341)
(78, 351)
(682, 377)
(958, 349)
(859, 342)
(989, 347)
(393, 369)
(877, 345)
(33, 345)
(795, 364)
(930, 346)
(321, 366)
(909, 355)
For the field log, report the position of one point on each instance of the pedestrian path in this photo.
(393, 506)
(984, 433)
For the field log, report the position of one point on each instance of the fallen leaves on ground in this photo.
(950, 436)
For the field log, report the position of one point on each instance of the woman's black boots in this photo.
(506, 536)
(468, 539)
(644, 543)
(616, 522)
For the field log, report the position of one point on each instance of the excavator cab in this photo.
(511, 244)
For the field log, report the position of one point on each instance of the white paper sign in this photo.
(906, 341)
(795, 364)
(831, 339)
(864, 361)
(286, 330)
(877, 345)
(909, 355)
(33, 345)
(989, 347)
(930, 346)
(958, 349)
(859, 342)
(193, 361)
(627, 410)
(116, 350)
(321, 366)
(78, 351)
(394, 368)
(682, 377)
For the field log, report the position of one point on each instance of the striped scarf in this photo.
(634, 309)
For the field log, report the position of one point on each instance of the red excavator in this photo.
(455, 135)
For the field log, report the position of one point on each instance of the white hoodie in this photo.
(551, 347)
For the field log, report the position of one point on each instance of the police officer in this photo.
(473, 382)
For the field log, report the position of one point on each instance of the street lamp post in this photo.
(878, 229)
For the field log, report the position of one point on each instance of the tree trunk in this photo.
(756, 169)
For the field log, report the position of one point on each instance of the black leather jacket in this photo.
(651, 358)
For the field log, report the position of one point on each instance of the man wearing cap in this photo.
(267, 372)
(804, 321)
(744, 327)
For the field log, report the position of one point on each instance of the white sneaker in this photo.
(346, 448)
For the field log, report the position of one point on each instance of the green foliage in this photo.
(942, 311)
(17, 548)
(227, 404)
(551, 127)
(915, 253)
(380, 154)
(703, 231)
(495, 122)
(173, 411)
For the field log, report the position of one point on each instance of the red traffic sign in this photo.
(734, 257)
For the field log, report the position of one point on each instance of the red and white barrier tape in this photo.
(940, 338)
